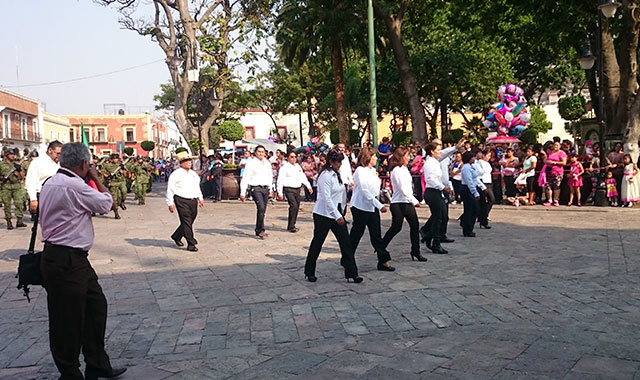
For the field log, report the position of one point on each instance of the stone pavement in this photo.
(545, 294)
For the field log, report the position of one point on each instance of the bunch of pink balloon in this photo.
(510, 116)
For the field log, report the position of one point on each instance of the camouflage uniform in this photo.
(142, 179)
(12, 189)
(117, 185)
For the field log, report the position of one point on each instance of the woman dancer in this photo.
(328, 214)
(365, 206)
(403, 203)
(433, 197)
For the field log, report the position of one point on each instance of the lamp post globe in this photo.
(608, 7)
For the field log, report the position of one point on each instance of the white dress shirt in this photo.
(346, 175)
(366, 188)
(433, 174)
(185, 184)
(66, 204)
(39, 170)
(402, 184)
(484, 170)
(291, 176)
(471, 180)
(256, 173)
(331, 193)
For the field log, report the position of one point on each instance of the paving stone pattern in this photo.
(545, 294)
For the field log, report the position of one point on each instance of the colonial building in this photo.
(112, 133)
(160, 138)
(19, 121)
(55, 128)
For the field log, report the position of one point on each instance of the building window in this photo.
(105, 152)
(72, 135)
(101, 135)
(282, 133)
(6, 125)
(36, 132)
(249, 132)
(129, 134)
(24, 129)
(50, 136)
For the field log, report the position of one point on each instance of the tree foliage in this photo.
(572, 108)
(231, 130)
(147, 145)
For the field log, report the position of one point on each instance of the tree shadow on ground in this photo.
(149, 242)
(226, 232)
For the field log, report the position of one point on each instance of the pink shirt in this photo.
(66, 204)
(557, 169)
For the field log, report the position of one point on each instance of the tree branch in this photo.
(207, 13)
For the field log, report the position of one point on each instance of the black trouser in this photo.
(260, 196)
(321, 227)
(293, 198)
(470, 210)
(456, 189)
(497, 188)
(486, 204)
(187, 212)
(207, 188)
(417, 188)
(434, 229)
(399, 212)
(510, 186)
(77, 311)
(370, 220)
(217, 187)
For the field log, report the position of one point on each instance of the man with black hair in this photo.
(258, 179)
(40, 169)
(12, 177)
(470, 194)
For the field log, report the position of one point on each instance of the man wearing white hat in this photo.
(184, 195)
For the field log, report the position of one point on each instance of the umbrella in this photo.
(503, 140)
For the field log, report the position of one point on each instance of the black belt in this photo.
(186, 199)
(48, 245)
(260, 186)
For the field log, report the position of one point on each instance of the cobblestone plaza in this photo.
(545, 294)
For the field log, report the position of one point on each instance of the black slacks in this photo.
(260, 196)
(399, 212)
(293, 198)
(217, 187)
(496, 181)
(487, 199)
(434, 228)
(470, 210)
(77, 311)
(321, 227)
(370, 220)
(510, 186)
(187, 212)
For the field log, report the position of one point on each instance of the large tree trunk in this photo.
(394, 31)
(338, 82)
(632, 135)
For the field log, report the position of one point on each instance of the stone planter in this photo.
(230, 183)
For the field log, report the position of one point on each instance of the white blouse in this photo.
(402, 184)
(291, 176)
(433, 174)
(366, 188)
(331, 194)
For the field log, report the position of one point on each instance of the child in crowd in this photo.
(522, 195)
(630, 187)
(612, 190)
(575, 178)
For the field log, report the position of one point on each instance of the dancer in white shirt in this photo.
(433, 195)
(291, 178)
(258, 178)
(366, 208)
(184, 195)
(328, 215)
(346, 174)
(403, 203)
(487, 198)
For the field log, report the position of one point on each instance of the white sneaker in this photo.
(422, 202)
(517, 203)
(454, 202)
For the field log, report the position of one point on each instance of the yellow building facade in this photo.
(456, 120)
(55, 128)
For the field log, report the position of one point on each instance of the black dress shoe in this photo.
(179, 243)
(123, 206)
(356, 279)
(439, 250)
(192, 248)
(385, 268)
(485, 226)
(96, 375)
(418, 256)
(311, 278)
(293, 230)
(446, 240)
(469, 234)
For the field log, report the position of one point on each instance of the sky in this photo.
(58, 40)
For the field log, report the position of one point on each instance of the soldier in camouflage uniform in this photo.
(28, 157)
(141, 179)
(13, 187)
(116, 182)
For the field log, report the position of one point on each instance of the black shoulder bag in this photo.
(29, 264)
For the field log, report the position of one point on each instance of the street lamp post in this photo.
(587, 60)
